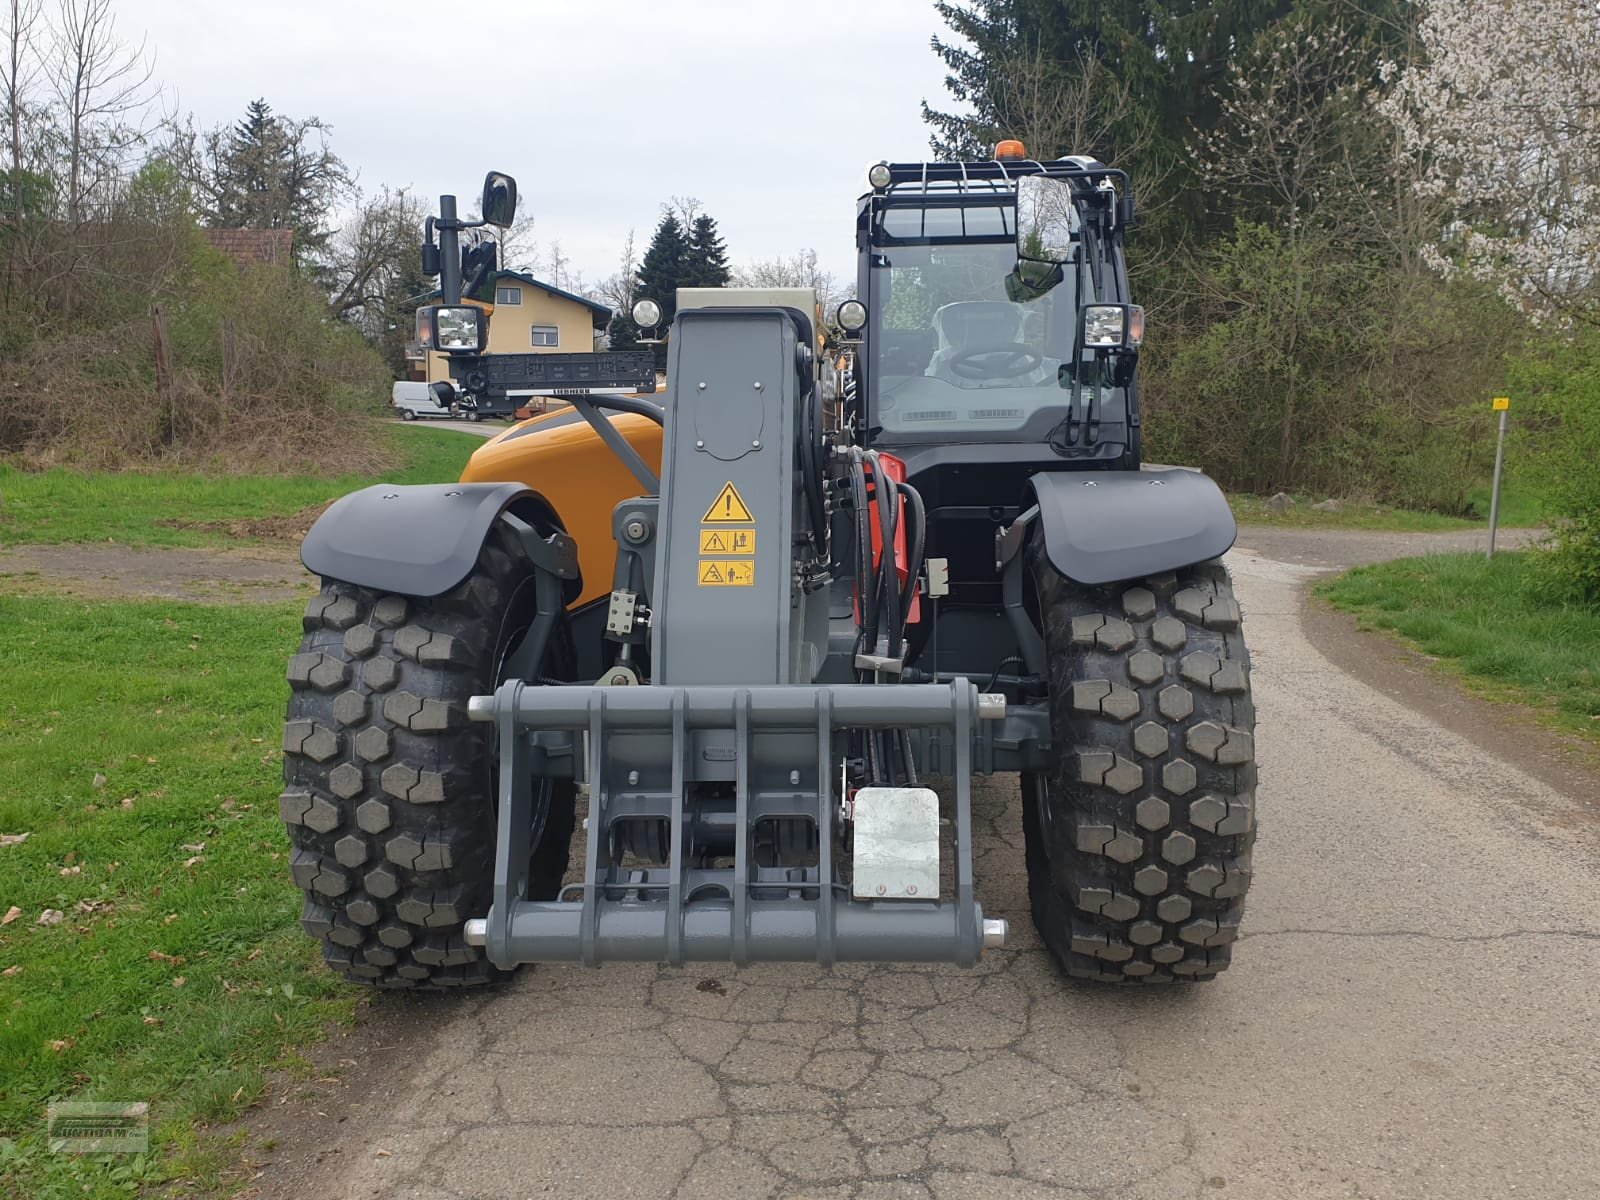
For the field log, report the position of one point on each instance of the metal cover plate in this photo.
(896, 843)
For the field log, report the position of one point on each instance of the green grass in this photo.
(1519, 509)
(179, 974)
(1485, 621)
(63, 505)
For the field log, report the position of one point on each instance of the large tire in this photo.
(391, 791)
(1139, 838)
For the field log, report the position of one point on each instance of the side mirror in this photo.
(499, 204)
(458, 330)
(1047, 220)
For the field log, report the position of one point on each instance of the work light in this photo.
(1113, 326)
(646, 314)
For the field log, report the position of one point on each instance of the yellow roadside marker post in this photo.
(1502, 405)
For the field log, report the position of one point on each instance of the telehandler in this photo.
(736, 634)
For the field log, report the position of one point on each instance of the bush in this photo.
(1557, 389)
(1323, 367)
(260, 378)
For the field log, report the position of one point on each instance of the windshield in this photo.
(962, 347)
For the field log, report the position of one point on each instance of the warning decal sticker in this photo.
(728, 508)
(727, 572)
(727, 541)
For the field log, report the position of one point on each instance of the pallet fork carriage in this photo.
(820, 547)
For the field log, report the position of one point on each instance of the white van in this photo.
(414, 400)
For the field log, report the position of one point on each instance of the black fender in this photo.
(424, 539)
(1106, 526)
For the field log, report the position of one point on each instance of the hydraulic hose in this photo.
(888, 506)
(865, 589)
(917, 543)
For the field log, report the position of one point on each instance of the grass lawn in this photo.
(62, 505)
(140, 747)
(1518, 509)
(1483, 621)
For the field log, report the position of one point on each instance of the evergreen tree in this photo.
(1170, 57)
(662, 272)
(707, 260)
(273, 172)
(622, 333)
(1012, 58)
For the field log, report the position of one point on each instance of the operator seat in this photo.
(967, 325)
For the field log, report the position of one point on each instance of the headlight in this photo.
(1103, 326)
(646, 314)
(878, 176)
(851, 316)
(458, 329)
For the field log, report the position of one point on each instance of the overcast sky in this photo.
(769, 113)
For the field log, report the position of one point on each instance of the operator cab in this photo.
(968, 340)
(990, 353)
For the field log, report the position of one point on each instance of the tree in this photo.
(1169, 57)
(1501, 121)
(801, 269)
(616, 291)
(373, 269)
(706, 260)
(267, 172)
(661, 273)
(19, 70)
(101, 84)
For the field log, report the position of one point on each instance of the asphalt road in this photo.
(1413, 1012)
(484, 429)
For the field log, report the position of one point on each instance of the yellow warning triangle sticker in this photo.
(728, 508)
(710, 574)
(714, 544)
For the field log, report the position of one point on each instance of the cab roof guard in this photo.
(996, 177)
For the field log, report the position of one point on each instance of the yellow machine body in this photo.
(559, 456)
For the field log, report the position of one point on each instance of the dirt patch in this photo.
(290, 528)
(264, 574)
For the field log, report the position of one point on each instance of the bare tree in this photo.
(373, 253)
(616, 291)
(801, 269)
(558, 263)
(18, 73)
(686, 208)
(1080, 108)
(100, 83)
(519, 249)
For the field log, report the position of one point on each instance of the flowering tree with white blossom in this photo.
(1500, 119)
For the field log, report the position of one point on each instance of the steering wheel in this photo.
(1004, 360)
